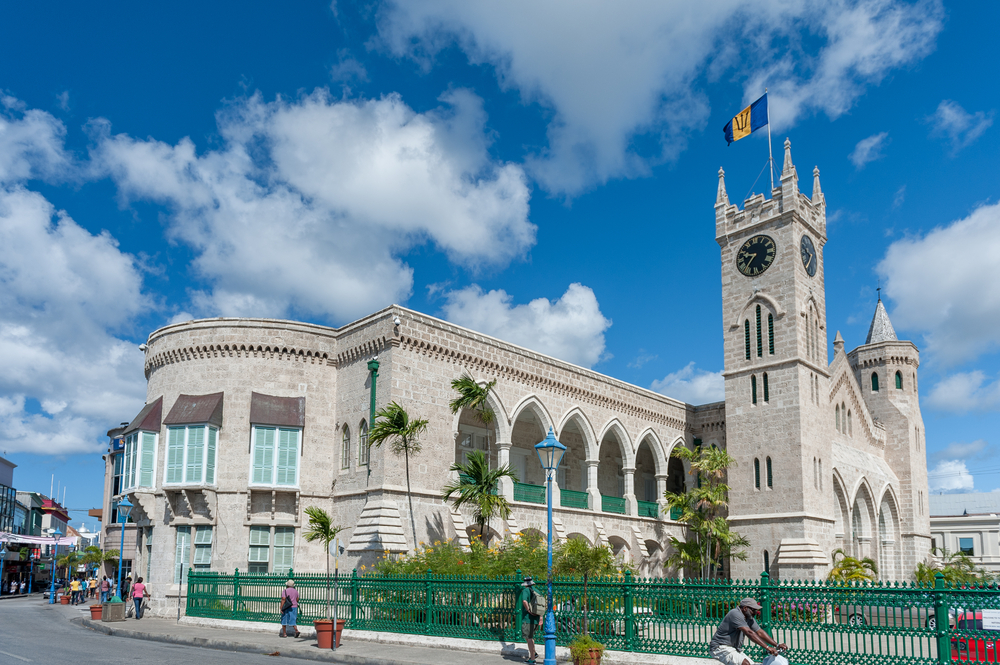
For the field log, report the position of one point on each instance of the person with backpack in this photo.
(533, 605)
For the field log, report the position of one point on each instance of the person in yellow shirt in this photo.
(93, 586)
(75, 588)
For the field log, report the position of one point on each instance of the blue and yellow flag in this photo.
(746, 121)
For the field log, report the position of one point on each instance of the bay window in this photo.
(191, 455)
(275, 456)
(138, 460)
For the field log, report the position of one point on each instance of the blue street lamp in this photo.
(124, 510)
(550, 453)
(56, 535)
(31, 575)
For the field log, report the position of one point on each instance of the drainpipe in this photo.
(373, 374)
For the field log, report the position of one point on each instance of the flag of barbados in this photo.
(746, 121)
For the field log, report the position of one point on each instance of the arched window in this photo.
(874, 382)
(850, 428)
(345, 449)
(770, 480)
(837, 409)
(767, 563)
(767, 397)
(770, 334)
(756, 473)
(753, 388)
(746, 337)
(899, 380)
(363, 444)
(760, 341)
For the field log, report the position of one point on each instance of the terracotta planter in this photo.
(593, 658)
(324, 633)
(95, 612)
(64, 600)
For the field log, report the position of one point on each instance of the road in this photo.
(32, 631)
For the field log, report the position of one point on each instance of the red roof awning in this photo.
(148, 419)
(195, 409)
(279, 411)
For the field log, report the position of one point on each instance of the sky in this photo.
(542, 172)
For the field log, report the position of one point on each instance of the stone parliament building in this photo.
(250, 421)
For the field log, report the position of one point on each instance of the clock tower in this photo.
(776, 372)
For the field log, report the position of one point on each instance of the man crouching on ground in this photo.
(727, 643)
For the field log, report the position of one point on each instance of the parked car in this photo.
(883, 615)
(981, 646)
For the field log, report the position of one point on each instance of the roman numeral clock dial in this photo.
(756, 255)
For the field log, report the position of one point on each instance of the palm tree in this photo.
(321, 528)
(475, 397)
(68, 561)
(956, 567)
(577, 557)
(850, 569)
(393, 424)
(477, 486)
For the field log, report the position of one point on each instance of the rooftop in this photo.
(973, 503)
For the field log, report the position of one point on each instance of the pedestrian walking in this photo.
(138, 594)
(530, 600)
(727, 643)
(105, 589)
(289, 609)
(13, 587)
(24, 586)
(74, 589)
(92, 586)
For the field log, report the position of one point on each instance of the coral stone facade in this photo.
(250, 421)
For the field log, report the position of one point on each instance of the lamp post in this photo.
(550, 453)
(31, 575)
(124, 510)
(56, 534)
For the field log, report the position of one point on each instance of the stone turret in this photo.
(881, 329)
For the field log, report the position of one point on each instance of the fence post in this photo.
(765, 601)
(354, 597)
(428, 598)
(629, 628)
(941, 620)
(236, 592)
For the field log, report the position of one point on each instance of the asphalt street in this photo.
(34, 632)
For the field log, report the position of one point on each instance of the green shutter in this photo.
(284, 548)
(753, 389)
(746, 336)
(175, 455)
(213, 434)
(760, 345)
(147, 456)
(756, 473)
(182, 552)
(770, 334)
(288, 457)
(195, 454)
(769, 478)
(263, 455)
(766, 395)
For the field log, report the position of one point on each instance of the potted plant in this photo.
(586, 650)
(321, 528)
(95, 611)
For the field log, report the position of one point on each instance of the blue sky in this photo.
(542, 172)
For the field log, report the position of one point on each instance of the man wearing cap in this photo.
(727, 643)
(530, 621)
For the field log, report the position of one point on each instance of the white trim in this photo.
(274, 457)
(184, 456)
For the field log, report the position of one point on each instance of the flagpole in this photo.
(770, 155)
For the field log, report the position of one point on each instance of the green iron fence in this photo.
(823, 623)
(572, 499)
(529, 493)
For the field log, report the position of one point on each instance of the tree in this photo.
(321, 528)
(68, 561)
(393, 424)
(577, 557)
(956, 567)
(477, 486)
(850, 569)
(703, 509)
(94, 556)
(475, 397)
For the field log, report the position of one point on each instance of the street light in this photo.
(550, 453)
(56, 534)
(124, 510)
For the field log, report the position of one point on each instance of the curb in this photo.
(230, 645)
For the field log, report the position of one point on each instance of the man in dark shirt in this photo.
(727, 643)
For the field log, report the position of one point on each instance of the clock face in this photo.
(809, 258)
(755, 256)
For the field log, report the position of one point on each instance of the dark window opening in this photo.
(753, 389)
(770, 479)
(760, 343)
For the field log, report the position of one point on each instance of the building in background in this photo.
(32, 502)
(8, 496)
(968, 523)
(110, 535)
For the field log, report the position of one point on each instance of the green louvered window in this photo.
(760, 340)
(275, 456)
(182, 553)
(138, 460)
(260, 549)
(175, 455)
(753, 388)
(195, 455)
(756, 473)
(746, 336)
(769, 477)
(874, 382)
(766, 394)
(899, 381)
(770, 334)
(213, 435)
(191, 455)
(147, 459)
(284, 549)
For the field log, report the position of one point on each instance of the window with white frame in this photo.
(138, 460)
(264, 549)
(260, 549)
(284, 549)
(275, 458)
(191, 453)
(345, 449)
(202, 548)
(363, 444)
(182, 553)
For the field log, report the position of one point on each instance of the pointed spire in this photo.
(722, 197)
(838, 344)
(881, 329)
(817, 196)
(788, 167)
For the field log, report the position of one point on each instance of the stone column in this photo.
(661, 488)
(503, 459)
(631, 505)
(593, 494)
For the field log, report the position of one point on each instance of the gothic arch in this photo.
(589, 437)
(763, 298)
(889, 536)
(578, 536)
(655, 446)
(864, 524)
(842, 510)
(532, 402)
(624, 442)
(504, 425)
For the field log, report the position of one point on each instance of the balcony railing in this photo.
(529, 493)
(572, 499)
(649, 509)
(612, 504)
(675, 513)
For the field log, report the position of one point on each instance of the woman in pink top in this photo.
(289, 609)
(138, 593)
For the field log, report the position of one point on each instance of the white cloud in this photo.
(869, 149)
(963, 392)
(943, 285)
(691, 385)
(309, 204)
(64, 292)
(957, 450)
(571, 328)
(950, 476)
(899, 197)
(631, 74)
(958, 126)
